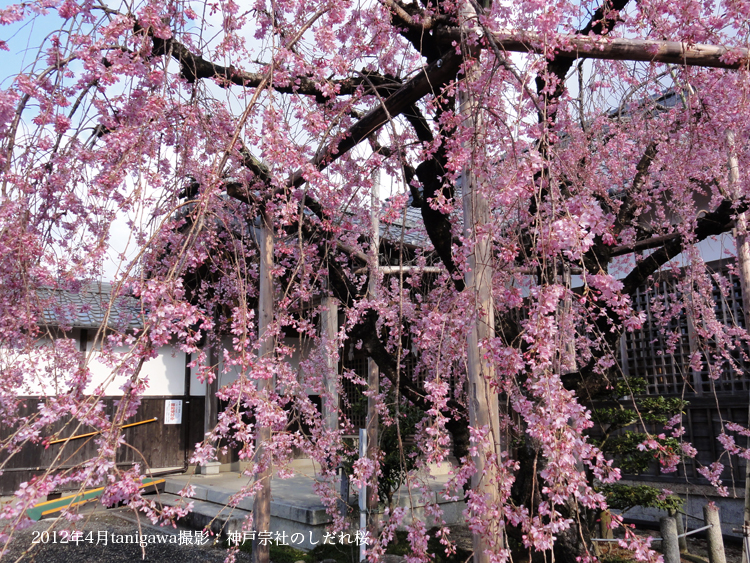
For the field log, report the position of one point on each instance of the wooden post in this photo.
(669, 541)
(373, 374)
(330, 402)
(482, 399)
(330, 327)
(604, 522)
(715, 539)
(681, 537)
(211, 410)
(211, 404)
(743, 267)
(262, 502)
(363, 497)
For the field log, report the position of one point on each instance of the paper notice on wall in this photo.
(172, 411)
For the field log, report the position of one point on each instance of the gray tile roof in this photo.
(412, 225)
(88, 308)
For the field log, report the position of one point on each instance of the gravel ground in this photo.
(167, 545)
(732, 551)
(118, 526)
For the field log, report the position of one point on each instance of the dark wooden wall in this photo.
(703, 421)
(156, 445)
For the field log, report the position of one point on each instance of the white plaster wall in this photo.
(197, 389)
(40, 377)
(165, 374)
(712, 248)
(230, 375)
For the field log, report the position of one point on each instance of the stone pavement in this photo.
(295, 508)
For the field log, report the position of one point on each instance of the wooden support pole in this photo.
(211, 410)
(330, 322)
(262, 502)
(373, 374)
(713, 534)
(681, 537)
(669, 541)
(482, 399)
(743, 268)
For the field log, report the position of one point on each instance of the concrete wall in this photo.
(696, 497)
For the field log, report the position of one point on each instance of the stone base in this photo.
(210, 468)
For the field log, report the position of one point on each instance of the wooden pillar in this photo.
(373, 374)
(743, 268)
(482, 400)
(669, 541)
(262, 502)
(211, 410)
(330, 328)
(714, 536)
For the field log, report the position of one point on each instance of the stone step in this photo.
(221, 520)
(295, 508)
(292, 499)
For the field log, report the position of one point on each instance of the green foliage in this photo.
(625, 497)
(658, 410)
(629, 458)
(393, 467)
(651, 410)
(622, 444)
(400, 546)
(282, 553)
(629, 386)
(614, 416)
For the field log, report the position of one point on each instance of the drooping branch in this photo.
(455, 412)
(714, 223)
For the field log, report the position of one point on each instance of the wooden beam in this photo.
(618, 49)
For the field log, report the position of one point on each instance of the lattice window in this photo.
(728, 309)
(661, 354)
(354, 402)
